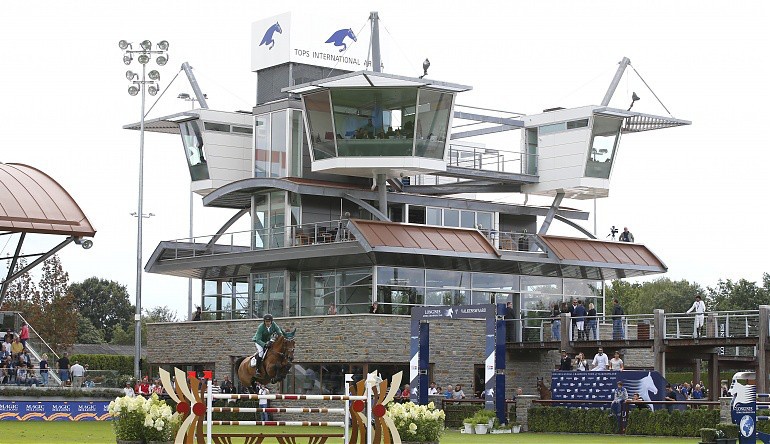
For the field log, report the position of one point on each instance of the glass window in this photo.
(447, 279)
(268, 294)
(262, 146)
(297, 134)
(582, 123)
(278, 154)
(484, 220)
(433, 113)
(468, 219)
(451, 218)
(220, 127)
(552, 128)
(399, 299)
(541, 285)
(373, 121)
(193, 147)
(321, 128)
(433, 216)
(242, 129)
(409, 277)
(606, 132)
(355, 290)
(276, 218)
(495, 281)
(531, 154)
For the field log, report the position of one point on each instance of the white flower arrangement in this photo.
(420, 423)
(137, 419)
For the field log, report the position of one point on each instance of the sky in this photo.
(691, 194)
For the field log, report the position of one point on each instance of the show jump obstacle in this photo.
(366, 419)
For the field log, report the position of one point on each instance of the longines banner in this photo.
(599, 386)
(329, 42)
(54, 411)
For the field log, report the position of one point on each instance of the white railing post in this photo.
(348, 380)
(368, 414)
(209, 405)
(677, 328)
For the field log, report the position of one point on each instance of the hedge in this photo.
(33, 392)
(456, 413)
(640, 422)
(124, 365)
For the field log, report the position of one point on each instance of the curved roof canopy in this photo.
(32, 202)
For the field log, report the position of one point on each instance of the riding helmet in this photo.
(268, 316)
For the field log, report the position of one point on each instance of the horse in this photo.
(642, 386)
(274, 366)
(268, 38)
(338, 38)
(545, 392)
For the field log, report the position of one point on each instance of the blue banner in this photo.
(54, 411)
(599, 386)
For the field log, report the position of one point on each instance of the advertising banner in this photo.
(54, 411)
(599, 386)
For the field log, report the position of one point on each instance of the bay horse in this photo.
(274, 366)
(543, 390)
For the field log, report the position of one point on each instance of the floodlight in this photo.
(87, 244)
(634, 98)
(163, 45)
(127, 59)
(133, 90)
(425, 66)
(154, 75)
(161, 60)
(146, 45)
(152, 89)
(144, 59)
(130, 75)
(123, 44)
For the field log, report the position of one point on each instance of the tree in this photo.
(22, 293)
(57, 323)
(739, 295)
(87, 333)
(663, 293)
(105, 303)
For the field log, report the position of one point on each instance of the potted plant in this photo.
(128, 419)
(160, 424)
(515, 427)
(708, 435)
(417, 423)
(482, 423)
(468, 424)
(488, 416)
(501, 428)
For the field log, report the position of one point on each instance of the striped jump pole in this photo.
(276, 410)
(281, 423)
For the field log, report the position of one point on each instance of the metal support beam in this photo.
(489, 119)
(32, 265)
(11, 268)
(194, 84)
(226, 226)
(615, 81)
(561, 218)
(382, 194)
(363, 204)
(482, 131)
(376, 60)
(551, 213)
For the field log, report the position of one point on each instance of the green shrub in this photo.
(730, 430)
(708, 435)
(456, 413)
(124, 365)
(640, 422)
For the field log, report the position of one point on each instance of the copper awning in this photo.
(574, 251)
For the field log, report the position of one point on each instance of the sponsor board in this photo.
(54, 411)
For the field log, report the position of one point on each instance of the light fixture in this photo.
(163, 45)
(123, 44)
(425, 66)
(152, 89)
(133, 90)
(634, 98)
(130, 75)
(161, 60)
(144, 59)
(153, 75)
(183, 96)
(146, 45)
(127, 59)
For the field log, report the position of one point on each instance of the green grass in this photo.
(86, 432)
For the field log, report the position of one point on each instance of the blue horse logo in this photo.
(268, 38)
(338, 38)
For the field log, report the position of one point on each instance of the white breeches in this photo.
(260, 350)
(699, 320)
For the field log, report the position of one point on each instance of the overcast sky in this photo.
(692, 194)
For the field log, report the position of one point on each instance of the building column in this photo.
(715, 391)
(566, 322)
(696, 376)
(762, 367)
(658, 348)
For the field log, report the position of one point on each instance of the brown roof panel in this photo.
(32, 202)
(412, 236)
(591, 250)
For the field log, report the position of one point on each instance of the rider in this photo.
(263, 338)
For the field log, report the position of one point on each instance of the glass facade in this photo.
(433, 115)
(192, 140)
(278, 144)
(604, 139)
(350, 290)
(225, 299)
(329, 378)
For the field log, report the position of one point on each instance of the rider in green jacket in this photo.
(262, 338)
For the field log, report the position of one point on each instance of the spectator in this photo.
(142, 388)
(9, 336)
(227, 385)
(600, 361)
(16, 348)
(78, 373)
(697, 392)
(332, 309)
(375, 308)
(572, 309)
(581, 364)
(458, 392)
(616, 363)
(620, 396)
(592, 321)
(263, 402)
(432, 390)
(64, 366)
(405, 393)
(197, 315)
(580, 321)
(617, 321)
(566, 362)
(21, 374)
(44, 369)
(25, 356)
(8, 344)
(509, 316)
(700, 308)
(626, 236)
(556, 323)
(128, 391)
(639, 402)
(215, 388)
(670, 396)
(24, 334)
(449, 391)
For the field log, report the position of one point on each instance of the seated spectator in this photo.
(89, 383)
(638, 402)
(458, 392)
(432, 390)
(405, 393)
(581, 364)
(697, 392)
(16, 348)
(620, 396)
(21, 374)
(565, 364)
(143, 388)
(616, 363)
(448, 392)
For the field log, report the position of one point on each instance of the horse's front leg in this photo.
(344, 47)
(272, 43)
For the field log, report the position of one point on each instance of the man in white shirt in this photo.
(699, 307)
(600, 362)
(432, 390)
(78, 373)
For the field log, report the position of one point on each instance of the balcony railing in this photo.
(317, 233)
(511, 240)
(488, 159)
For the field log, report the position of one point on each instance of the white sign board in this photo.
(310, 40)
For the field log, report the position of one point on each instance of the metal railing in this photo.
(316, 233)
(719, 324)
(36, 345)
(490, 159)
(512, 241)
(595, 328)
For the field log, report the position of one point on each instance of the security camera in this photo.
(87, 244)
